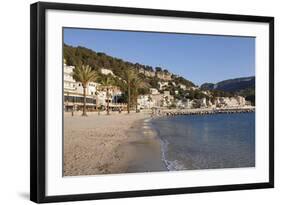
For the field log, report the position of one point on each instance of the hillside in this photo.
(232, 85)
(150, 77)
(242, 86)
(156, 77)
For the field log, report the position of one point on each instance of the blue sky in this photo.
(199, 58)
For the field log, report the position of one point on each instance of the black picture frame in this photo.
(38, 101)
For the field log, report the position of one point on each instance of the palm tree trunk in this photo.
(129, 98)
(97, 102)
(84, 103)
(107, 94)
(136, 102)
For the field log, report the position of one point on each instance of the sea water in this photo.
(207, 141)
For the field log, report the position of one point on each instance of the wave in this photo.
(171, 165)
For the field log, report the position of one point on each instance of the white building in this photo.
(70, 85)
(106, 71)
(145, 102)
(157, 100)
(114, 93)
(189, 104)
(167, 98)
(153, 91)
(194, 88)
(101, 98)
(162, 85)
(147, 72)
(68, 81)
(203, 103)
(73, 92)
(180, 104)
(182, 86)
(95, 96)
(164, 76)
(237, 101)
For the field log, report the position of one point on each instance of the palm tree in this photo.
(135, 86)
(84, 74)
(107, 82)
(128, 76)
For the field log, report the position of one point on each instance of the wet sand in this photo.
(145, 147)
(102, 144)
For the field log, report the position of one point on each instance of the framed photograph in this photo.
(129, 102)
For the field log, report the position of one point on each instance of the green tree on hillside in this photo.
(158, 69)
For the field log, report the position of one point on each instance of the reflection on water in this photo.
(209, 141)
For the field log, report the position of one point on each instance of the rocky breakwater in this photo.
(208, 111)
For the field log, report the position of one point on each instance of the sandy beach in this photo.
(110, 144)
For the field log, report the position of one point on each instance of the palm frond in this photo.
(129, 75)
(84, 74)
(106, 81)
